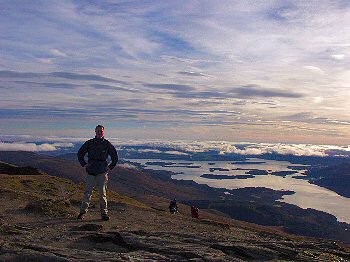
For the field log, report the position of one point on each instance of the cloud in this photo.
(172, 87)
(309, 117)
(178, 147)
(32, 146)
(173, 152)
(45, 60)
(190, 73)
(317, 99)
(282, 149)
(204, 95)
(65, 75)
(87, 77)
(314, 69)
(109, 87)
(302, 116)
(149, 151)
(59, 85)
(57, 52)
(109, 111)
(61, 144)
(225, 147)
(338, 122)
(256, 91)
(250, 91)
(156, 151)
(57, 141)
(13, 74)
(48, 85)
(338, 56)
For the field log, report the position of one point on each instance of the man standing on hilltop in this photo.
(98, 150)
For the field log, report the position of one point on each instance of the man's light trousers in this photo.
(100, 181)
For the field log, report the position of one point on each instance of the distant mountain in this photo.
(256, 205)
(6, 168)
(305, 160)
(49, 164)
(333, 177)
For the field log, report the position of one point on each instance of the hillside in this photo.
(155, 188)
(37, 223)
(333, 177)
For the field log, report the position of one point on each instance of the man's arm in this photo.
(82, 152)
(114, 156)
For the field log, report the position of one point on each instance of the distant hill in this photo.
(51, 165)
(256, 205)
(334, 177)
(37, 223)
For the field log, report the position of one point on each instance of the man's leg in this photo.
(102, 180)
(90, 183)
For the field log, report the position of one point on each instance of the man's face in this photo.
(100, 132)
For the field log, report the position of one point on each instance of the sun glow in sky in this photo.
(259, 71)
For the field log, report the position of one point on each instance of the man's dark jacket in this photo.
(98, 150)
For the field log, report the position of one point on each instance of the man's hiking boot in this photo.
(105, 217)
(81, 216)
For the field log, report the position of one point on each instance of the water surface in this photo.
(306, 195)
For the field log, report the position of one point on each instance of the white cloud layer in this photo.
(297, 150)
(32, 146)
(225, 147)
(180, 147)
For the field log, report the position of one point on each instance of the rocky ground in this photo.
(37, 223)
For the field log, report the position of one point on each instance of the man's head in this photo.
(100, 131)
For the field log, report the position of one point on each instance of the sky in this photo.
(255, 71)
